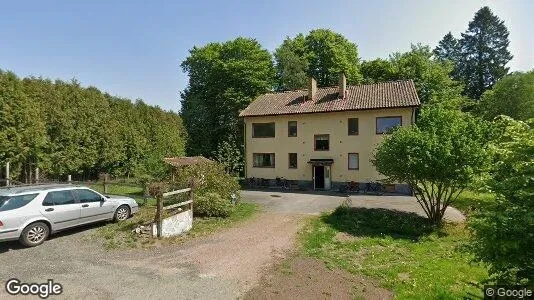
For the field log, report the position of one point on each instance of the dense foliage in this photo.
(212, 205)
(480, 55)
(512, 96)
(64, 128)
(439, 157)
(322, 54)
(430, 76)
(223, 79)
(208, 178)
(504, 233)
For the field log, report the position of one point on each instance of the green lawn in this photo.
(468, 201)
(400, 250)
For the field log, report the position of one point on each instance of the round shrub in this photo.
(212, 205)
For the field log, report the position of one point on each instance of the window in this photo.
(85, 196)
(354, 161)
(263, 160)
(263, 130)
(14, 202)
(292, 128)
(353, 126)
(385, 124)
(292, 160)
(58, 198)
(321, 142)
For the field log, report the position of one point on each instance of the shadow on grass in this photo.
(378, 222)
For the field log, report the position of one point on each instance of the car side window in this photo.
(58, 198)
(14, 202)
(85, 196)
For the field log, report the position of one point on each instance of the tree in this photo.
(447, 49)
(481, 55)
(504, 233)
(291, 64)
(322, 54)
(438, 157)
(23, 138)
(64, 128)
(223, 79)
(431, 77)
(513, 96)
(229, 154)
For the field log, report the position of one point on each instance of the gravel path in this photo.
(219, 266)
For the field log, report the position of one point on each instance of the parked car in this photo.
(31, 213)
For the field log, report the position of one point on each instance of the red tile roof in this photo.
(359, 97)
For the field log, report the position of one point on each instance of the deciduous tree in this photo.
(438, 157)
(223, 79)
(512, 96)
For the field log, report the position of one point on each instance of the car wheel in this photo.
(34, 234)
(122, 213)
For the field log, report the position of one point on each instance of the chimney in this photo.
(312, 89)
(342, 85)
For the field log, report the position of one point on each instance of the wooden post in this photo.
(7, 173)
(191, 198)
(159, 215)
(105, 181)
(36, 175)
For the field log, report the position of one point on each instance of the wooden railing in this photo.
(160, 208)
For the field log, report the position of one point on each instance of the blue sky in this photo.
(133, 48)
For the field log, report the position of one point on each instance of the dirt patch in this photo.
(345, 237)
(238, 254)
(299, 277)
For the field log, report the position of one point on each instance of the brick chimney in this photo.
(312, 89)
(342, 86)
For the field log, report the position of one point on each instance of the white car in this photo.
(31, 213)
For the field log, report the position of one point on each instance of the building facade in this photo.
(321, 138)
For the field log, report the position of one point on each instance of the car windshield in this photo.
(14, 202)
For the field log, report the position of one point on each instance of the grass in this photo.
(469, 202)
(129, 190)
(400, 250)
(120, 235)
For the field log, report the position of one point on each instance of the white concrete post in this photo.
(7, 173)
(69, 178)
(36, 175)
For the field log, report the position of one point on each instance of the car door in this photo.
(93, 206)
(61, 209)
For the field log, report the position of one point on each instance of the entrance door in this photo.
(327, 179)
(318, 177)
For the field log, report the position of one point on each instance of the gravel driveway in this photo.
(223, 265)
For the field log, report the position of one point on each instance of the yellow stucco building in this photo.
(323, 137)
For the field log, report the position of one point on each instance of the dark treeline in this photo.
(63, 128)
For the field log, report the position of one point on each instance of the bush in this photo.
(504, 232)
(208, 178)
(212, 205)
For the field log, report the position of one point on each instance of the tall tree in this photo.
(22, 132)
(223, 79)
(481, 54)
(447, 48)
(322, 54)
(291, 64)
(513, 96)
(431, 77)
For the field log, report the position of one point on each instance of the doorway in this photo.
(318, 177)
